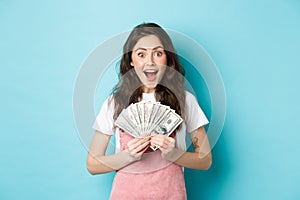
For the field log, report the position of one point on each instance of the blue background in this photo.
(255, 45)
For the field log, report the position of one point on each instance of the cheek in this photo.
(136, 61)
(138, 70)
(162, 60)
(163, 70)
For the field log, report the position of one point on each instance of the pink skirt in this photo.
(152, 177)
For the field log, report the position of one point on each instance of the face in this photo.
(149, 61)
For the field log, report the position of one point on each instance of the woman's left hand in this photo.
(164, 143)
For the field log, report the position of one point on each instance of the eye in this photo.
(141, 55)
(158, 53)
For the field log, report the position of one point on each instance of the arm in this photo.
(200, 159)
(98, 162)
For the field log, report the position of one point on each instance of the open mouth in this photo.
(150, 74)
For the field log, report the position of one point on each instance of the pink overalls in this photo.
(152, 177)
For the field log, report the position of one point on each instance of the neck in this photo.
(148, 90)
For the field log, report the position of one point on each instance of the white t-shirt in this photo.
(194, 118)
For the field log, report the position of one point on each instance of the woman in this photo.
(149, 70)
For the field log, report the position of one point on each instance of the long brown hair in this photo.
(170, 91)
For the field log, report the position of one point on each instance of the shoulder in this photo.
(189, 97)
(109, 102)
(108, 107)
(194, 114)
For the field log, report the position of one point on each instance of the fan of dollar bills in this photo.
(146, 117)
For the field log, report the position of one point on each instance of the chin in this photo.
(150, 86)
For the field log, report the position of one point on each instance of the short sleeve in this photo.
(104, 121)
(194, 115)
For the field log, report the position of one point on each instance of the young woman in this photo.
(149, 70)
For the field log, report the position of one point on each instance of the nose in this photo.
(150, 60)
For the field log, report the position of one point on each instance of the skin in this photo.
(148, 53)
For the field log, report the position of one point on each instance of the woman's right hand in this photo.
(137, 146)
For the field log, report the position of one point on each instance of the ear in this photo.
(131, 63)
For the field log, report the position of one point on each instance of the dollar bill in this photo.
(148, 106)
(160, 114)
(123, 123)
(133, 115)
(140, 111)
(145, 117)
(151, 124)
(169, 124)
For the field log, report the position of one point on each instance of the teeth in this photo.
(150, 71)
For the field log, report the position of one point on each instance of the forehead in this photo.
(148, 42)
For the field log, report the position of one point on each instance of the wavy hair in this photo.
(170, 91)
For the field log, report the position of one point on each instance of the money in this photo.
(169, 123)
(147, 118)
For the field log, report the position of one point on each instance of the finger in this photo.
(156, 136)
(138, 146)
(136, 142)
(143, 150)
(165, 144)
(135, 152)
(155, 142)
(142, 147)
(133, 141)
(161, 137)
(144, 135)
(161, 142)
(142, 142)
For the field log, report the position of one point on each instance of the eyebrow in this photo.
(141, 48)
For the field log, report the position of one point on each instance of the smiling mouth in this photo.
(150, 74)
